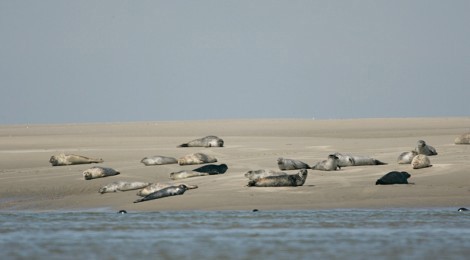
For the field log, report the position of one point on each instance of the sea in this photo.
(436, 233)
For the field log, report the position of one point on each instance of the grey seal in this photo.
(99, 172)
(208, 141)
(257, 174)
(158, 160)
(290, 164)
(187, 174)
(289, 180)
(196, 158)
(463, 139)
(356, 160)
(420, 161)
(158, 186)
(165, 192)
(462, 209)
(212, 169)
(393, 177)
(122, 186)
(70, 159)
(406, 157)
(330, 164)
(423, 148)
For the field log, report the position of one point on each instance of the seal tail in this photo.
(182, 145)
(139, 200)
(377, 162)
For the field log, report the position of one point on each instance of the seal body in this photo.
(423, 148)
(158, 160)
(330, 164)
(196, 158)
(290, 164)
(158, 186)
(393, 177)
(99, 172)
(463, 139)
(356, 160)
(70, 159)
(406, 157)
(212, 169)
(165, 192)
(420, 161)
(289, 180)
(122, 186)
(253, 175)
(208, 141)
(186, 174)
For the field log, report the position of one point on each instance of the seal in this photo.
(122, 211)
(253, 175)
(165, 192)
(462, 209)
(463, 139)
(99, 172)
(122, 186)
(158, 160)
(393, 177)
(158, 186)
(423, 148)
(212, 169)
(406, 157)
(289, 180)
(187, 174)
(208, 141)
(356, 160)
(70, 159)
(290, 164)
(330, 164)
(196, 158)
(420, 161)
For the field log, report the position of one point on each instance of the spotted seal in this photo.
(158, 160)
(212, 169)
(165, 192)
(330, 164)
(70, 159)
(99, 172)
(122, 186)
(463, 139)
(196, 158)
(289, 180)
(208, 141)
(356, 160)
(420, 161)
(393, 177)
(158, 186)
(423, 148)
(406, 157)
(257, 174)
(290, 164)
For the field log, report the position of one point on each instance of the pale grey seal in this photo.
(208, 141)
(122, 186)
(423, 148)
(212, 169)
(165, 192)
(187, 174)
(290, 180)
(406, 157)
(290, 164)
(158, 160)
(330, 164)
(70, 159)
(356, 160)
(420, 161)
(257, 174)
(99, 172)
(463, 139)
(393, 177)
(158, 186)
(196, 158)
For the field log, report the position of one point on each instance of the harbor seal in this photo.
(70, 159)
(122, 186)
(356, 160)
(420, 161)
(463, 139)
(406, 157)
(99, 172)
(290, 164)
(423, 148)
(253, 175)
(158, 186)
(165, 192)
(212, 169)
(158, 160)
(289, 180)
(393, 177)
(208, 141)
(196, 158)
(462, 209)
(187, 174)
(330, 164)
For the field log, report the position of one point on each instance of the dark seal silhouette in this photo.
(462, 209)
(212, 169)
(393, 178)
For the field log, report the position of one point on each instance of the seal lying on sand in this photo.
(463, 139)
(290, 180)
(158, 186)
(420, 161)
(158, 160)
(393, 177)
(99, 172)
(69, 159)
(356, 160)
(406, 157)
(165, 192)
(196, 158)
(253, 175)
(330, 164)
(212, 169)
(188, 174)
(208, 141)
(423, 148)
(289, 164)
(122, 186)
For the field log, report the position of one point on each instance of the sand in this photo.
(29, 182)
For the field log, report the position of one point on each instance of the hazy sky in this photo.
(107, 61)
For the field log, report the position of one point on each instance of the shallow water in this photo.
(324, 234)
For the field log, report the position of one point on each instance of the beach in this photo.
(28, 182)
